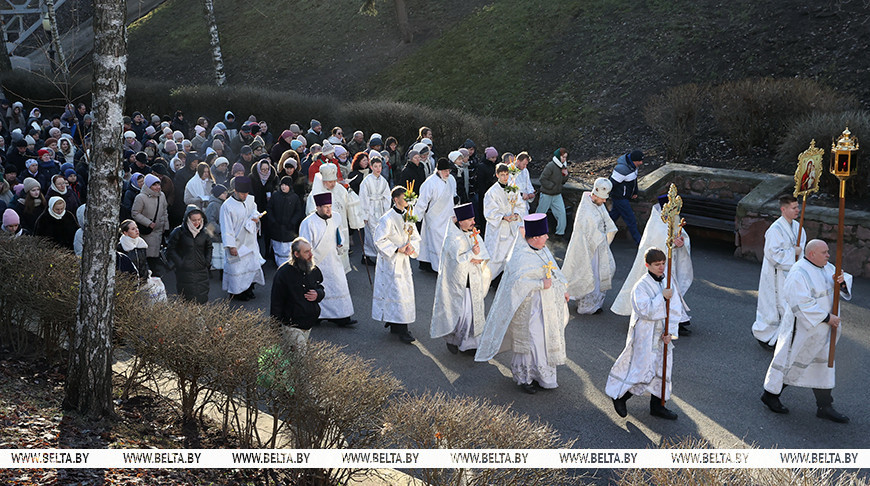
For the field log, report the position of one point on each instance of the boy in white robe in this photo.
(638, 369)
(320, 230)
(502, 220)
(458, 310)
(327, 181)
(529, 312)
(781, 251)
(397, 242)
(524, 180)
(589, 263)
(240, 221)
(655, 235)
(435, 209)
(803, 345)
(374, 195)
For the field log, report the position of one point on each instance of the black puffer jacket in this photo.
(284, 215)
(289, 305)
(192, 258)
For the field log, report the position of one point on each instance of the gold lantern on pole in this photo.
(844, 164)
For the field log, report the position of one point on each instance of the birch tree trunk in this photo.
(55, 38)
(404, 25)
(218, 59)
(5, 62)
(89, 379)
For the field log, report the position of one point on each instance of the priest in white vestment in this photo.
(529, 312)
(655, 235)
(781, 251)
(374, 195)
(435, 208)
(327, 181)
(502, 220)
(243, 265)
(458, 311)
(638, 369)
(397, 242)
(801, 355)
(320, 230)
(524, 180)
(589, 263)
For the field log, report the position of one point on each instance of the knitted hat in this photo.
(218, 189)
(329, 172)
(314, 123)
(177, 136)
(69, 172)
(222, 161)
(490, 152)
(10, 217)
(170, 146)
(327, 148)
(29, 184)
(150, 130)
(287, 181)
(323, 199)
(374, 142)
(142, 157)
(54, 132)
(295, 144)
(602, 187)
(636, 156)
(65, 166)
(30, 140)
(129, 134)
(242, 184)
(246, 149)
(168, 131)
(302, 140)
(217, 145)
(295, 128)
(463, 212)
(199, 129)
(43, 151)
(150, 180)
(237, 167)
(290, 162)
(30, 162)
(536, 225)
(339, 151)
(468, 144)
(287, 135)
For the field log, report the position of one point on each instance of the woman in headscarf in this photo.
(132, 245)
(67, 148)
(284, 215)
(60, 187)
(57, 224)
(149, 210)
(198, 188)
(190, 248)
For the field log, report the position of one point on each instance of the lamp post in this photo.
(844, 164)
(46, 26)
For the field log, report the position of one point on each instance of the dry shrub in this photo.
(730, 477)
(433, 421)
(331, 400)
(39, 294)
(825, 128)
(673, 115)
(755, 112)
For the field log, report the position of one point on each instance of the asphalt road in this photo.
(718, 371)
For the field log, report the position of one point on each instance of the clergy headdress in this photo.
(323, 199)
(329, 172)
(463, 211)
(602, 187)
(663, 199)
(242, 184)
(536, 225)
(443, 164)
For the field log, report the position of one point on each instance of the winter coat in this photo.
(192, 258)
(552, 179)
(127, 202)
(145, 211)
(69, 197)
(484, 177)
(412, 172)
(285, 212)
(624, 178)
(139, 259)
(61, 231)
(260, 190)
(289, 305)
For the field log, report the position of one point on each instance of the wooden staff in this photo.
(835, 308)
(670, 216)
(801, 225)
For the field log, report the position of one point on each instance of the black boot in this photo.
(684, 329)
(656, 409)
(766, 345)
(344, 322)
(454, 349)
(250, 292)
(402, 330)
(773, 403)
(619, 404)
(824, 402)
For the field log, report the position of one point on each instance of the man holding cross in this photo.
(529, 312)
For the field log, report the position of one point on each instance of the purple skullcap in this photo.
(536, 225)
(323, 198)
(464, 211)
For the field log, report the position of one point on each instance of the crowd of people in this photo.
(227, 197)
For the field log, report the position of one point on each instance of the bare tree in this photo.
(369, 7)
(219, 76)
(5, 62)
(89, 379)
(55, 38)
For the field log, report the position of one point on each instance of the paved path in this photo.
(718, 371)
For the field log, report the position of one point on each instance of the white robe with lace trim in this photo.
(500, 234)
(339, 206)
(374, 194)
(779, 243)
(638, 368)
(435, 208)
(450, 289)
(589, 263)
(321, 233)
(239, 231)
(801, 355)
(393, 296)
(655, 234)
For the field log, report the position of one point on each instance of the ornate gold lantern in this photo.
(844, 156)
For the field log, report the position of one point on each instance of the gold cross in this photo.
(549, 267)
(474, 233)
(671, 215)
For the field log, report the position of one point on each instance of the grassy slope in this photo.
(592, 63)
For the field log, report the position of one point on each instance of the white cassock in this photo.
(801, 355)
(239, 231)
(435, 207)
(527, 318)
(638, 368)
(321, 233)
(458, 311)
(500, 234)
(393, 296)
(779, 242)
(655, 234)
(374, 195)
(524, 182)
(339, 208)
(589, 263)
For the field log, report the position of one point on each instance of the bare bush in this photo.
(755, 112)
(730, 477)
(825, 128)
(673, 115)
(433, 421)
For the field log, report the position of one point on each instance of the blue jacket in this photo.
(624, 178)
